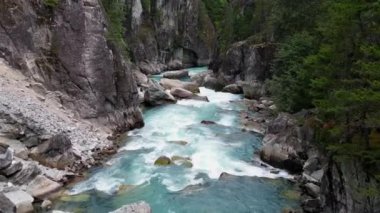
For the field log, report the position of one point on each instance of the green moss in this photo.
(51, 3)
(116, 11)
(146, 5)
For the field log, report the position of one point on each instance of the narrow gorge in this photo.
(189, 106)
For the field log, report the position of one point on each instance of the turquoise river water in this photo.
(212, 149)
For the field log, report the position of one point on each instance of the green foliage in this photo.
(291, 84)
(51, 3)
(116, 13)
(329, 59)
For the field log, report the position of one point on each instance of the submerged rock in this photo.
(75, 198)
(207, 122)
(183, 143)
(183, 161)
(162, 161)
(140, 207)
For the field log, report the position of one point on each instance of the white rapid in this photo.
(213, 149)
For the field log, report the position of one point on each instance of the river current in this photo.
(201, 152)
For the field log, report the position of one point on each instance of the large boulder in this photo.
(15, 167)
(56, 152)
(163, 161)
(156, 95)
(172, 83)
(178, 74)
(283, 145)
(40, 187)
(233, 88)
(28, 172)
(181, 93)
(19, 200)
(140, 207)
(199, 78)
(210, 81)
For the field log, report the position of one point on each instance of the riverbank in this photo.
(43, 143)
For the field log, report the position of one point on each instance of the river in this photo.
(202, 152)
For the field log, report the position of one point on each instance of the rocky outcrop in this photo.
(329, 184)
(246, 61)
(347, 186)
(169, 34)
(64, 48)
(246, 64)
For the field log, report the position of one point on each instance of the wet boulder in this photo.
(233, 88)
(162, 161)
(156, 95)
(181, 93)
(178, 74)
(173, 83)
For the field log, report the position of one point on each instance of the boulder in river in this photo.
(183, 161)
(156, 95)
(162, 161)
(140, 207)
(207, 122)
(183, 143)
(177, 74)
(173, 83)
(181, 93)
(233, 88)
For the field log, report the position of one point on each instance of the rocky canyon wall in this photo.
(63, 47)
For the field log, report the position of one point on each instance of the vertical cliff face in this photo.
(64, 47)
(348, 187)
(160, 32)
